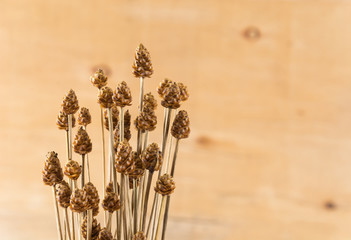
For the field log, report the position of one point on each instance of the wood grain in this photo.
(269, 153)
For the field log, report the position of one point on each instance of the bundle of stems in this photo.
(127, 174)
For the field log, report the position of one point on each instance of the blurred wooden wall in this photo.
(270, 150)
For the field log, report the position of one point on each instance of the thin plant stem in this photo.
(152, 214)
(135, 207)
(165, 134)
(146, 136)
(57, 212)
(87, 161)
(121, 124)
(159, 216)
(67, 223)
(103, 151)
(89, 223)
(109, 221)
(154, 220)
(70, 116)
(72, 215)
(146, 198)
(83, 171)
(130, 224)
(141, 195)
(124, 207)
(165, 218)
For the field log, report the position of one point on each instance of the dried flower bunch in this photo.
(128, 171)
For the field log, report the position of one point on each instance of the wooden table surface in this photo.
(269, 157)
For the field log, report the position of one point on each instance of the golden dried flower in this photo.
(72, 170)
(139, 236)
(124, 163)
(82, 143)
(142, 65)
(180, 128)
(84, 117)
(149, 101)
(105, 97)
(171, 98)
(115, 117)
(122, 96)
(152, 157)
(139, 167)
(62, 121)
(95, 229)
(147, 120)
(98, 79)
(105, 235)
(165, 185)
(78, 201)
(111, 202)
(92, 196)
(184, 94)
(52, 172)
(70, 103)
(163, 87)
(63, 194)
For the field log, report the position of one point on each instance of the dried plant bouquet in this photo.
(127, 171)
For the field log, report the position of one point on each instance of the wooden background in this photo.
(270, 107)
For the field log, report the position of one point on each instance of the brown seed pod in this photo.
(78, 201)
(142, 66)
(82, 143)
(99, 79)
(105, 235)
(124, 163)
(72, 170)
(165, 185)
(92, 196)
(95, 229)
(63, 194)
(139, 236)
(62, 121)
(150, 101)
(180, 128)
(84, 117)
(184, 94)
(105, 97)
(111, 202)
(122, 96)
(171, 98)
(115, 117)
(147, 120)
(95, 211)
(152, 157)
(52, 171)
(109, 188)
(70, 103)
(139, 166)
(163, 87)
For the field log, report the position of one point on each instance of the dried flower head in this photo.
(105, 235)
(82, 143)
(149, 101)
(171, 98)
(139, 167)
(165, 185)
(180, 128)
(84, 117)
(124, 163)
(147, 120)
(72, 170)
(52, 172)
(63, 194)
(111, 202)
(109, 188)
(62, 121)
(92, 196)
(122, 96)
(142, 65)
(163, 87)
(99, 79)
(95, 229)
(139, 236)
(184, 94)
(115, 117)
(105, 97)
(96, 210)
(78, 201)
(70, 103)
(152, 157)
